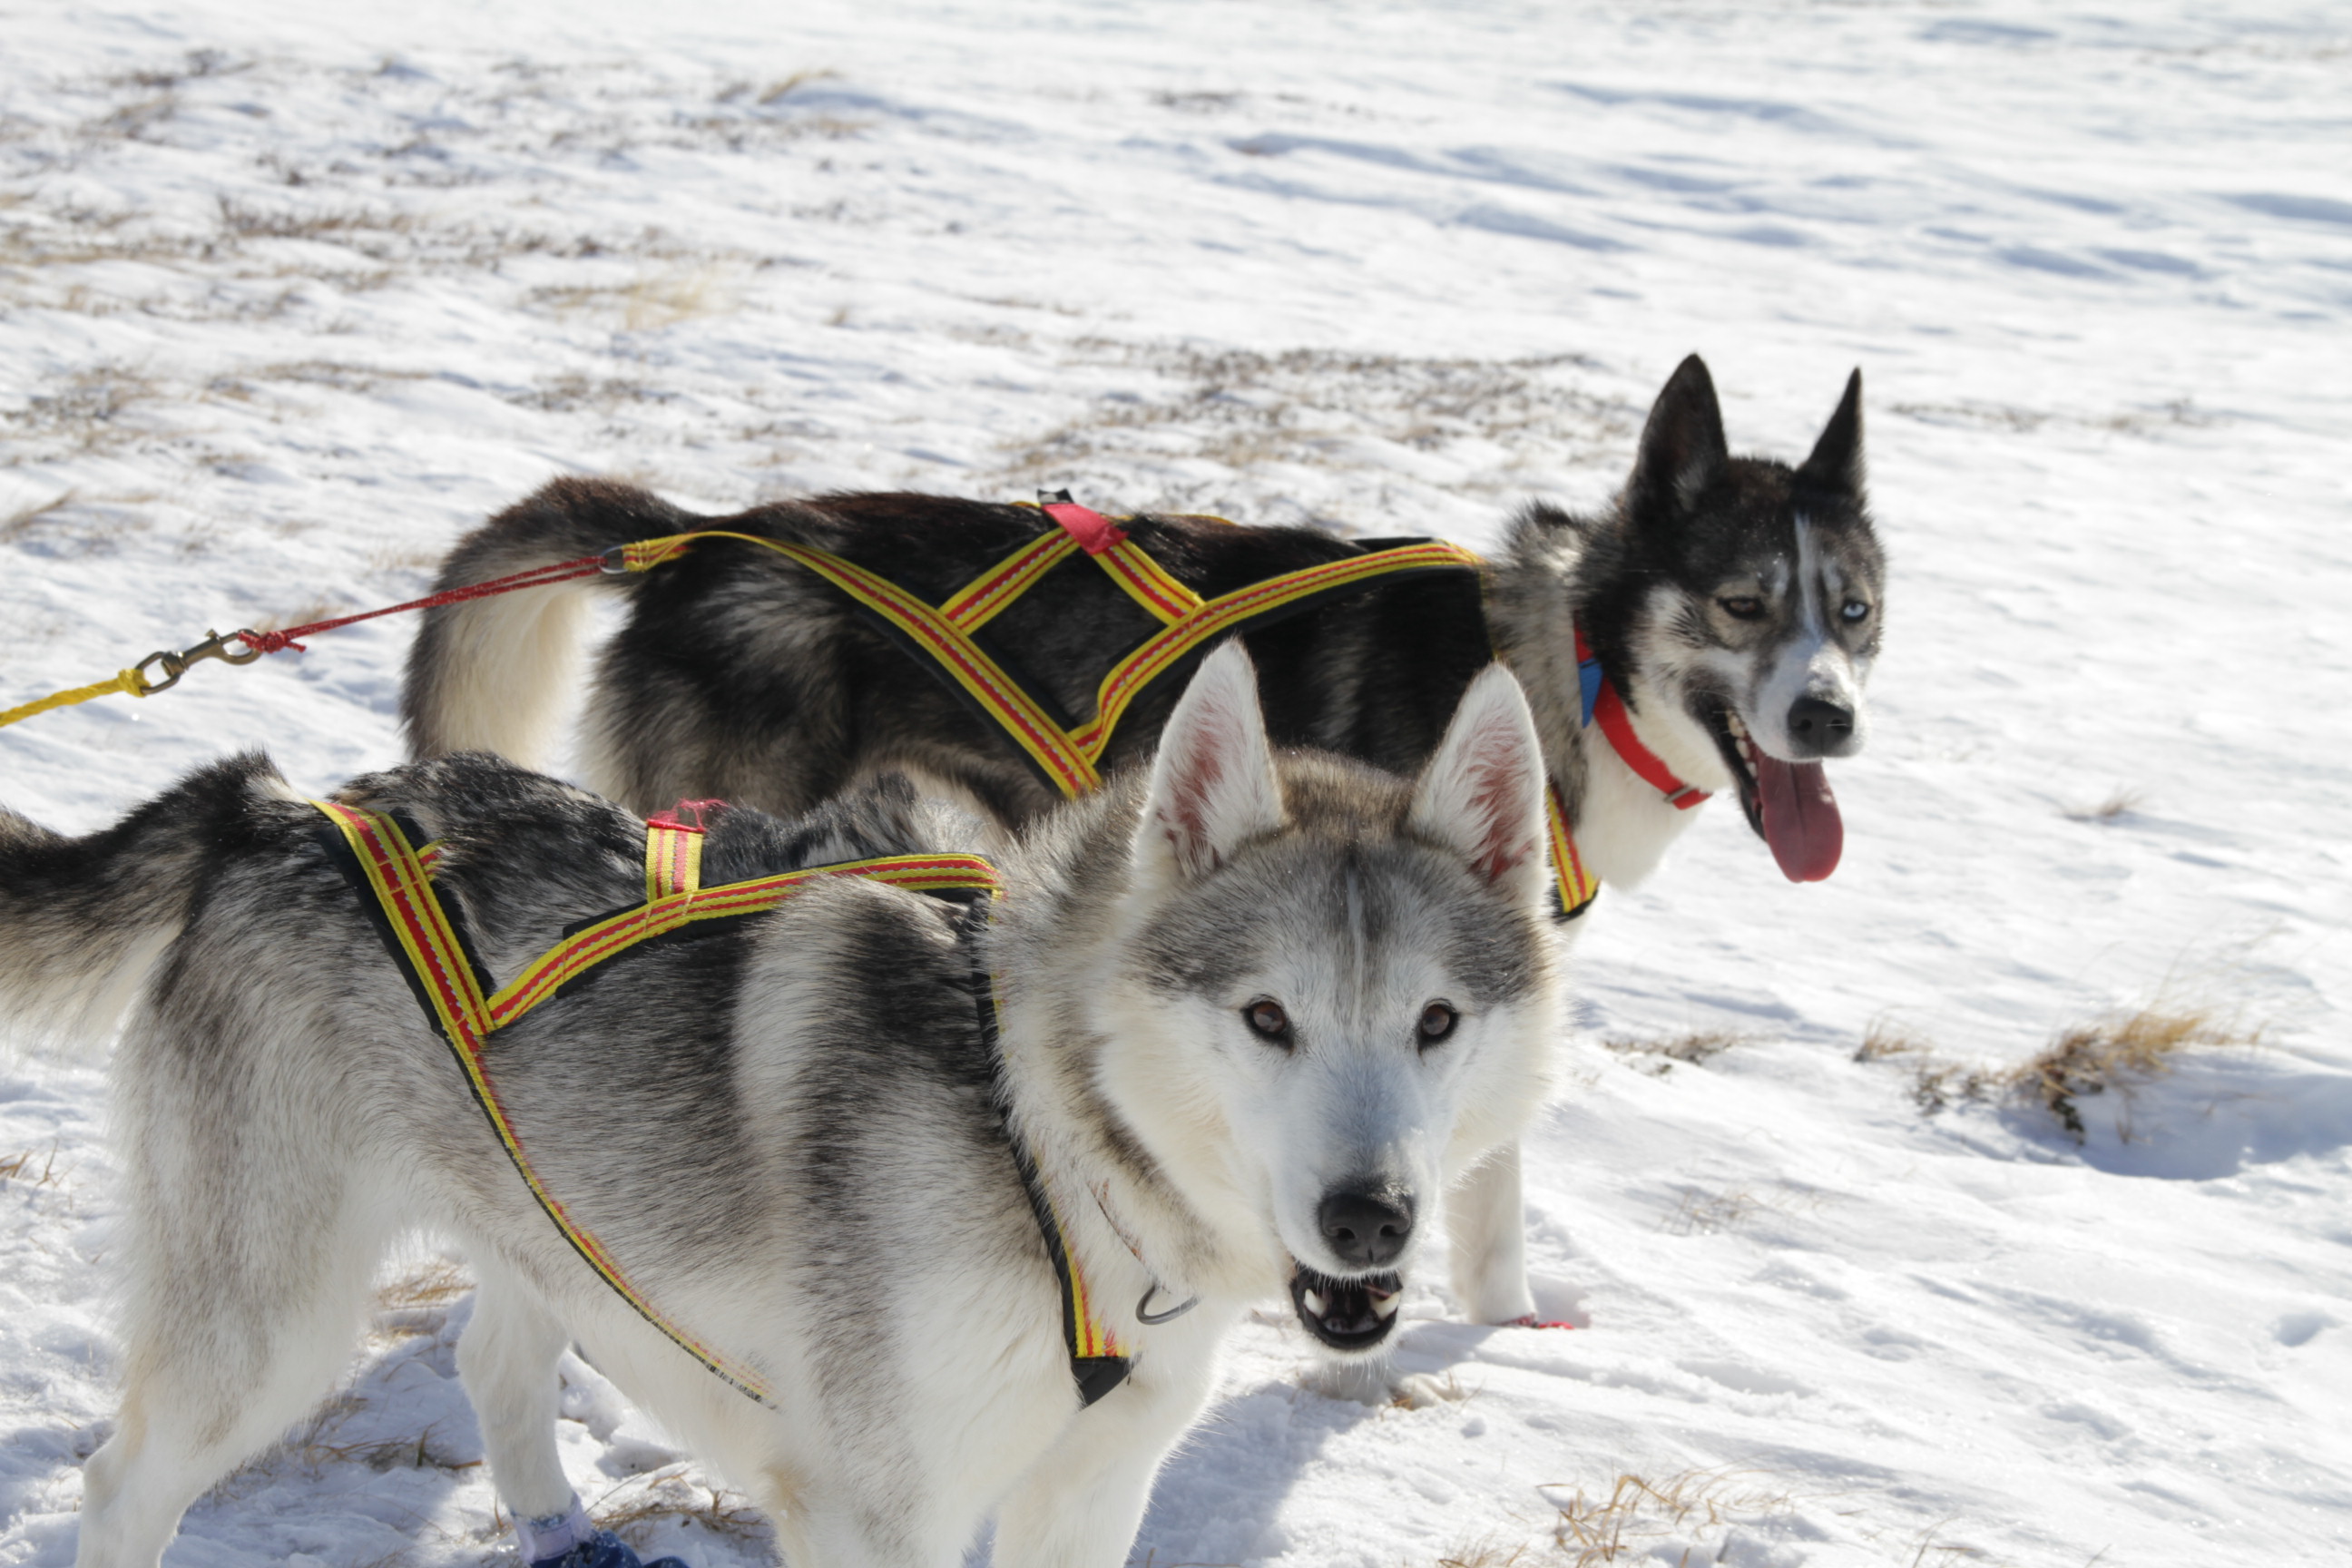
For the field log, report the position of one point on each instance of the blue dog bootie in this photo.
(604, 1550)
(569, 1540)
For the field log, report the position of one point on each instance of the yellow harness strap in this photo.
(1575, 886)
(1069, 758)
(673, 860)
(377, 854)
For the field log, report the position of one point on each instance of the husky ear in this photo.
(1483, 793)
(1212, 784)
(1682, 450)
(1836, 463)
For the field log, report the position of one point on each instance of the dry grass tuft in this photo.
(85, 413)
(2119, 803)
(433, 1283)
(19, 1167)
(414, 1305)
(1691, 1048)
(1614, 1529)
(656, 302)
(1938, 1085)
(1699, 1213)
(776, 92)
(671, 1494)
(1887, 1039)
(25, 519)
(1483, 1553)
(1936, 1082)
(393, 1454)
(2119, 1053)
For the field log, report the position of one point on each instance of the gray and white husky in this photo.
(1257, 1013)
(1735, 602)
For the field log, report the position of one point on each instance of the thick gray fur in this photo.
(793, 1134)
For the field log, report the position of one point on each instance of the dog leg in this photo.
(1080, 1505)
(230, 1338)
(506, 1359)
(1489, 1240)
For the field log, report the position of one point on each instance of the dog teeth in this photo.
(1314, 1304)
(1386, 1306)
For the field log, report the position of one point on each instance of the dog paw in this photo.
(1420, 1390)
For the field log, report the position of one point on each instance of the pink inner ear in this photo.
(1198, 770)
(1495, 771)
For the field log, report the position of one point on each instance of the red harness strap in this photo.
(1609, 708)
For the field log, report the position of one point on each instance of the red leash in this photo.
(537, 577)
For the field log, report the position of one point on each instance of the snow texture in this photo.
(292, 295)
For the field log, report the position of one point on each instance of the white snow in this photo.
(292, 295)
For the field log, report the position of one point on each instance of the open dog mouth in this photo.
(1788, 804)
(1346, 1314)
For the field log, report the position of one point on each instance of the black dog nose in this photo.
(1821, 727)
(1364, 1228)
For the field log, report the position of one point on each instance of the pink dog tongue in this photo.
(1800, 817)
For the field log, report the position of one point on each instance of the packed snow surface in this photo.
(292, 295)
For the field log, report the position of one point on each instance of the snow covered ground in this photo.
(290, 294)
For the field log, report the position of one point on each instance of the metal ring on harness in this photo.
(1151, 1320)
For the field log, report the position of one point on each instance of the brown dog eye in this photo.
(1437, 1021)
(1269, 1020)
(1741, 607)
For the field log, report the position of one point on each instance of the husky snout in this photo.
(1819, 727)
(1367, 1229)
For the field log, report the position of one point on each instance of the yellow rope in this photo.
(129, 680)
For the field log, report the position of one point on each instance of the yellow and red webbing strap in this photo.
(1023, 718)
(972, 606)
(1098, 1360)
(438, 965)
(1071, 759)
(440, 969)
(582, 951)
(1575, 884)
(1230, 612)
(672, 859)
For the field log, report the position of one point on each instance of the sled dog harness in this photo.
(1068, 758)
(394, 872)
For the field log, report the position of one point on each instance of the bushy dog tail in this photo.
(486, 674)
(83, 920)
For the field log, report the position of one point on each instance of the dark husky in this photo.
(1254, 1014)
(1734, 602)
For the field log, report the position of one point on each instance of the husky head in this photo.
(1335, 990)
(1738, 604)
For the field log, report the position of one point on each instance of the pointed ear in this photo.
(1212, 784)
(1483, 793)
(1682, 450)
(1836, 464)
